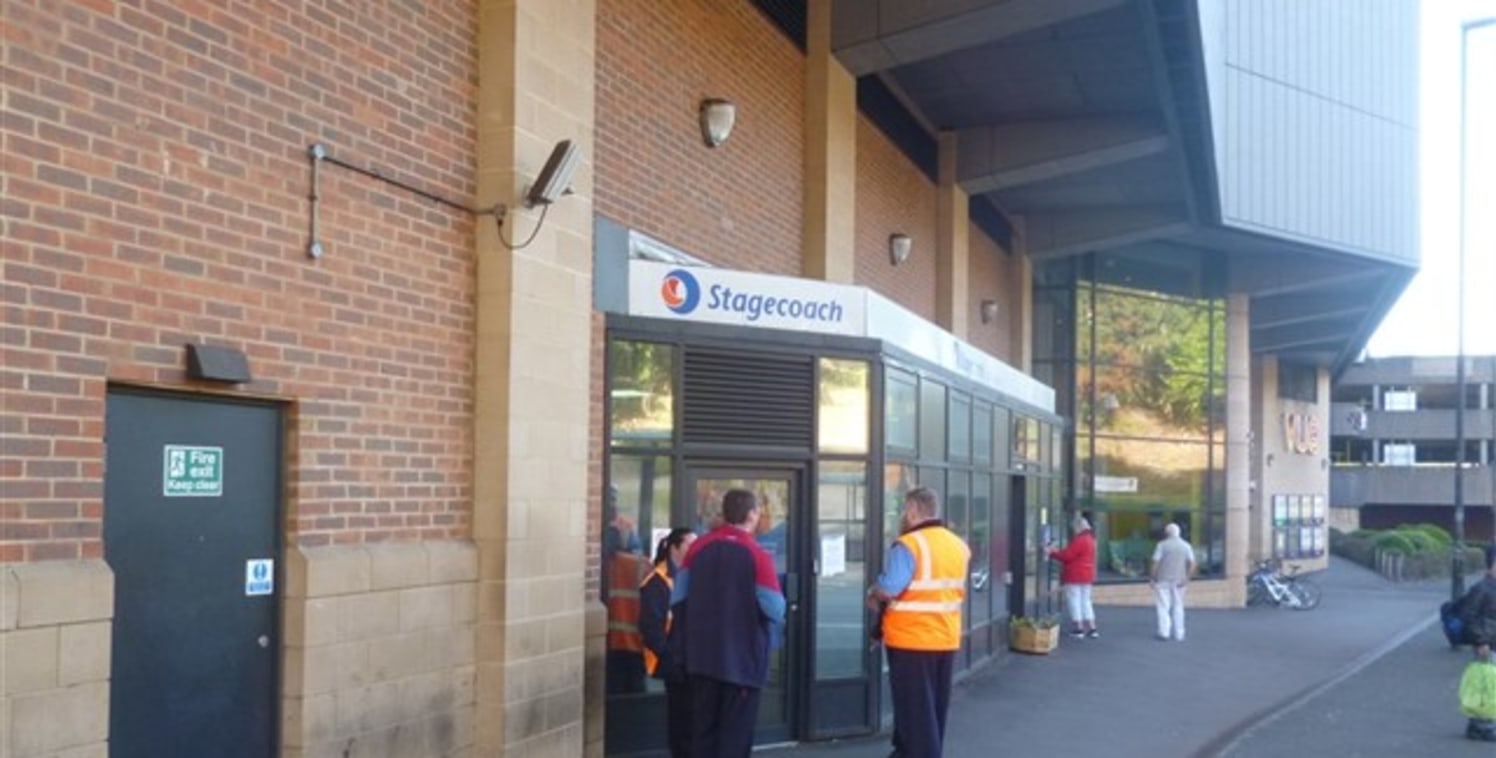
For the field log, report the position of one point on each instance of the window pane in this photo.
(1025, 441)
(931, 421)
(957, 519)
(960, 427)
(980, 589)
(958, 484)
(898, 478)
(1150, 473)
(640, 492)
(1146, 404)
(636, 514)
(841, 636)
(842, 421)
(999, 545)
(902, 411)
(981, 435)
(642, 395)
(1002, 438)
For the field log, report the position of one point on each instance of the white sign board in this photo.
(259, 576)
(833, 555)
(720, 296)
(1116, 484)
(192, 471)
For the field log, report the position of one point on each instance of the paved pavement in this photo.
(1365, 674)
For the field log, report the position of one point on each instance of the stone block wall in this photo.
(379, 650)
(54, 659)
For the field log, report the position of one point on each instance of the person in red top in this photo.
(1078, 573)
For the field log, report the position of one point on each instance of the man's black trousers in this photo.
(921, 685)
(722, 718)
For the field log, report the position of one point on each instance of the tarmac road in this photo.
(1404, 704)
(1367, 673)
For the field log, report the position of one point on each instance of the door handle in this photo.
(264, 640)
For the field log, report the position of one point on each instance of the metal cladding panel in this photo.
(1314, 113)
(748, 398)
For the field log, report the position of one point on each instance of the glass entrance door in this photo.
(780, 532)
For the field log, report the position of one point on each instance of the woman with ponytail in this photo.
(654, 625)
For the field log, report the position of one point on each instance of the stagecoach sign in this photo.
(192, 471)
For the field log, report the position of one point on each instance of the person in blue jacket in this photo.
(725, 606)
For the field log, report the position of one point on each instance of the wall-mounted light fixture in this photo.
(989, 311)
(717, 117)
(899, 247)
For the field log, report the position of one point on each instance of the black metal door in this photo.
(781, 532)
(191, 511)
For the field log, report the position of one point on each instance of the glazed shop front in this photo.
(828, 402)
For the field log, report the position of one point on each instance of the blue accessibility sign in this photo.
(259, 576)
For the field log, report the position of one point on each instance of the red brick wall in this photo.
(738, 205)
(893, 195)
(991, 278)
(155, 185)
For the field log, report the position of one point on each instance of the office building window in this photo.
(1400, 400)
(1298, 382)
(1403, 454)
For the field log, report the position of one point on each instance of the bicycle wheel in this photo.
(1257, 594)
(1304, 594)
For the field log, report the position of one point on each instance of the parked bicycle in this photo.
(1269, 585)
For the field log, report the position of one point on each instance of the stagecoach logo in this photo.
(680, 291)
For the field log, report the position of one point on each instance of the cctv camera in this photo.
(555, 179)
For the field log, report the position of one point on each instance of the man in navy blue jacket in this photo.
(725, 602)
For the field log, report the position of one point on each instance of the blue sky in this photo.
(1423, 321)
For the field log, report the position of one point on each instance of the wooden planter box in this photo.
(1027, 639)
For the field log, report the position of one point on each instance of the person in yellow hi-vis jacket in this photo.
(921, 591)
(654, 625)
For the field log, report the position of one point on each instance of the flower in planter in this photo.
(1041, 622)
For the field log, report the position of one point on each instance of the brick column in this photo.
(952, 243)
(1021, 285)
(533, 368)
(830, 155)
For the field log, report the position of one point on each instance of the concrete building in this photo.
(1394, 444)
(307, 443)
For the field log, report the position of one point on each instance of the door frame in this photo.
(279, 510)
(798, 563)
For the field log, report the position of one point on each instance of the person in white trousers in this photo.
(1173, 565)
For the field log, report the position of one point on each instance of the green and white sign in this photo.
(192, 471)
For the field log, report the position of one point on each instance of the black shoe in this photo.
(1481, 732)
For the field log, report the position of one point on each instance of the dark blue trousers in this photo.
(678, 717)
(722, 718)
(921, 685)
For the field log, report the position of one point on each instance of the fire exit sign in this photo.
(192, 471)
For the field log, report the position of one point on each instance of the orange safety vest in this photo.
(652, 661)
(927, 614)
(624, 572)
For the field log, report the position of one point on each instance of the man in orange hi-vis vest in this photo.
(623, 570)
(923, 585)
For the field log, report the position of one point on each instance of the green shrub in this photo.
(1422, 543)
(1394, 542)
(1365, 533)
(1434, 531)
